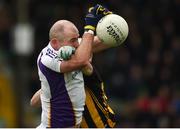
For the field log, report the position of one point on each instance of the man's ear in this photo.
(54, 43)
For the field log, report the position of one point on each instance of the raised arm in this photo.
(98, 46)
(84, 51)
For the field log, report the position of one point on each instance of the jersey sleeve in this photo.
(51, 63)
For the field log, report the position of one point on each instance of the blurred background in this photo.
(142, 76)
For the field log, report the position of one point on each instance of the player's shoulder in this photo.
(49, 58)
(48, 51)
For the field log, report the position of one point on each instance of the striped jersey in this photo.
(97, 112)
(63, 94)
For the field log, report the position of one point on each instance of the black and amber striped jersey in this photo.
(97, 113)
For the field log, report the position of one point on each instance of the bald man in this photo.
(62, 84)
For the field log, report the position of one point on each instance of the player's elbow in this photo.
(33, 103)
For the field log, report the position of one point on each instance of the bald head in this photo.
(58, 30)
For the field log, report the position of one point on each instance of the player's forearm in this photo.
(81, 56)
(98, 46)
(84, 51)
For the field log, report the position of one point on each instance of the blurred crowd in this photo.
(141, 76)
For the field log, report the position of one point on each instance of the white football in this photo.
(112, 30)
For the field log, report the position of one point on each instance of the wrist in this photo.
(89, 31)
(90, 27)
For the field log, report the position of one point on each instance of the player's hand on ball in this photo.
(94, 15)
(65, 52)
